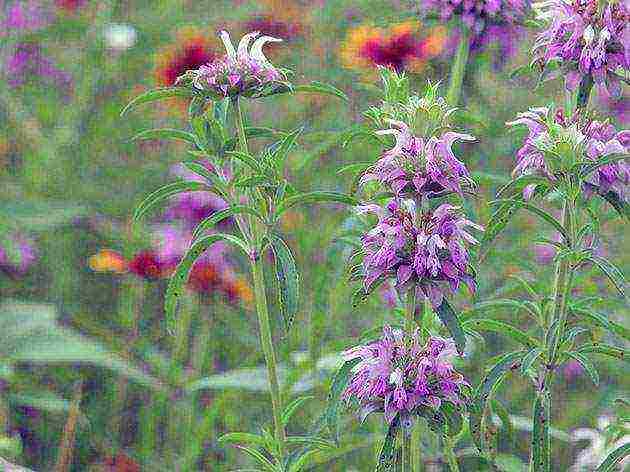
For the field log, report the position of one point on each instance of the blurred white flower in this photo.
(591, 457)
(120, 37)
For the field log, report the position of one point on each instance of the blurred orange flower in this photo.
(107, 260)
(402, 46)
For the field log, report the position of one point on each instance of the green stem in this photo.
(261, 305)
(449, 453)
(267, 345)
(410, 321)
(416, 453)
(405, 452)
(459, 68)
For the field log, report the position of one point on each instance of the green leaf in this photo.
(354, 168)
(303, 460)
(501, 411)
(258, 457)
(505, 364)
(497, 304)
(586, 365)
(219, 216)
(500, 327)
(614, 458)
(449, 319)
(314, 197)
(166, 133)
(386, 457)
(541, 439)
(280, 150)
(517, 185)
(319, 87)
(538, 212)
(218, 184)
(606, 350)
(341, 379)
(288, 280)
(292, 407)
(164, 193)
(611, 271)
(498, 221)
(603, 321)
(180, 277)
(242, 438)
(247, 159)
(529, 359)
(157, 94)
(620, 206)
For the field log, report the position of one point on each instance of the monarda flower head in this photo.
(478, 14)
(586, 38)
(418, 165)
(399, 376)
(243, 71)
(556, 144)
(427, 250)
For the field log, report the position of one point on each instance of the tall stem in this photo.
(261, 304)
(406, 452)
(459, 68)
(449, 453)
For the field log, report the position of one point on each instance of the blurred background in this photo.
(83, 348)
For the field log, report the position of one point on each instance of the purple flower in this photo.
(24, 16)
(586, 40)
(18, 259)
(191, 208)
(241, 71)
(27, 60)
(420, 165)
(426, 250)
(545, 152)
(397, 375)
(478, 14)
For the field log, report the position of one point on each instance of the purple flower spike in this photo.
(242, 71)
(396, 375)
(420, 166)
(426, 250)
(591, 140)
(586, 39)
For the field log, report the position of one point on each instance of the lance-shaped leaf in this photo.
(602, 321)
(166, 133)
(515, 186)
(530, 358)
(180, 277)
(541, 439)
(280, 150)
(620, 206)
(449, 319)
(259, 457)
(221, 215)
(288, 280)
(611, 271)
(314, 197)
(339, 383)
(319, 87)
(292, 407)
(246, 159)
(505, 364)
(501, 303)
(498, 221)
(218, 184)
(542, 214)
(386, 457)
(588, 367)
(614, 458)
(157, 94)
(165, 192)
(242, 438)
(606, 350)
(502, 328)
